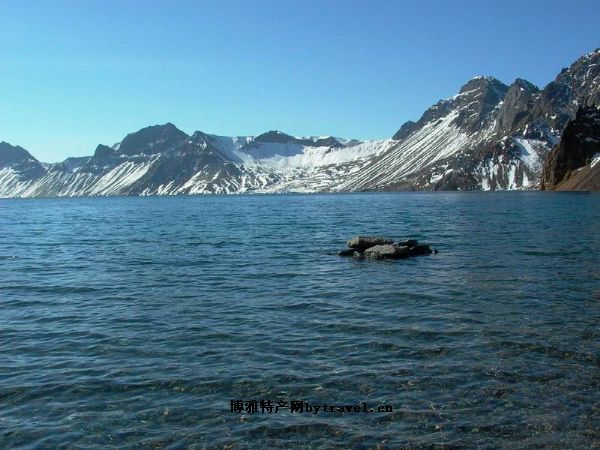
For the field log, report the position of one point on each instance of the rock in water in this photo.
(358, 255)
(362, 243)
(379, 247)
(407, 243)
(418, 250)
(387, 251)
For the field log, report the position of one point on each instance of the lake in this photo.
(135, 322)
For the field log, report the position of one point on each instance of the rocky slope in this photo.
(489, 136)
(574, 164)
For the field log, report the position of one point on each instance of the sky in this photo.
(74, 74)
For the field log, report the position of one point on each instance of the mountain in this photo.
(489, 136)
(18, 164)
(573, 164)
(151, 140)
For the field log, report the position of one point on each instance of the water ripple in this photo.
(132, 322)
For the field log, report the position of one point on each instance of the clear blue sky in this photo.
(77, 73)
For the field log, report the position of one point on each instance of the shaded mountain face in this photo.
(489, 136)
(10, 154)
(19, 161)
(152, 140)
(516, 107)
(475, 102)
(104, 151)
(194, 166)
(278, 137)
(574, 164)
(405, 130)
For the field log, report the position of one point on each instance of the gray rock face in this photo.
(387, 252)
(516, 107)
(476, 100)
(364, 242)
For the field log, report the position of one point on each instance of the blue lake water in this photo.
(133, 322)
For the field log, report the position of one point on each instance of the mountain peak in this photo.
(524, 84)
(275, 136)
(481, 82)
(152, 139)
(584, 68)
(579, 84)
(405, 130)
(483, 78)
(13, 153)
(592, 54)
(324, 141)
(104, 151)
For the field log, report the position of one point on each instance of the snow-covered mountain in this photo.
(489, 136)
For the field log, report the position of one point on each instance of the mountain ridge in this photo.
(488, 136)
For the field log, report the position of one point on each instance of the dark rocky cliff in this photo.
(573, 164)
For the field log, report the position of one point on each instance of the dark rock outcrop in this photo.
(379, 247)
(362, 243)
(405, 130)
(104, 151)
(387, 252)
(275, 136)
(418, 250)
(328, 141)
(278, 137)
(572, 165)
